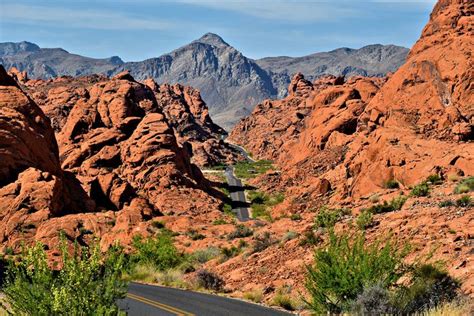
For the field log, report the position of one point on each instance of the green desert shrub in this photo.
(394, 205)
(219, 221)
(364, 220)
(172, 278)
(328, 217)
(295, 217)
(398, 202)
(158, 251)
(285, 301)
(262, 242)
(204, 255)
(260, 211)
(255, 296)
(89, 282)
(347, 264)
(275, 199)
(434, 179)
(257, 197)
(392, 184)
(422, 189)
(195, 235)
(289, 236)
(229, 252)
(430, 287)
(446, 203)
(465, 186)
(261, 203)
(227, 209)
(464, 201)
(241, 231)
(310, 238)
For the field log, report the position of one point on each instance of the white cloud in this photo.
(90, 19)
(289, 10)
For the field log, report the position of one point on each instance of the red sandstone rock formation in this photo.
(33, 188)
(119, 144)
(419, 123)
(20, 76)
(189, 117)
(117, 155)
(183, 108)
(348, 139)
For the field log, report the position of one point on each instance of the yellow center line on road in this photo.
(162, 306)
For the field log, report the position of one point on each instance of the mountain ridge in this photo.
(230, 83)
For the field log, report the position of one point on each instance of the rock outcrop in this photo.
(184, 110)
(33, 187)
(121, 146)
(432, 92)
(189, 117)
(118, 164)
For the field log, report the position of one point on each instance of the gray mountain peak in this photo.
(212, 39)
(230, 83)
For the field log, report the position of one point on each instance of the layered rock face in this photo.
(280, 124)
(118, 165)
(119, 144)
(433, 92)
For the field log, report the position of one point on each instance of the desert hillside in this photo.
(125, 157)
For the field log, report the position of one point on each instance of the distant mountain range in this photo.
(230, 83)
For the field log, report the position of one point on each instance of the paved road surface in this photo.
(237, 190)
(239, 203)
(144, 300)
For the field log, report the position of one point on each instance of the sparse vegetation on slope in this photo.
(392, 184)
(422, 189)
(248, 169)
(158, 251)
(342, 268)
(262, 202)
(364, 220)
(465, 186)
(89, 282)
(328, 217)
(394, 205)
(350, 276)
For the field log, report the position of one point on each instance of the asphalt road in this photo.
(146, 300)
(237, 190)
(237, 194)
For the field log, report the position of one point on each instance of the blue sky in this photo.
(139, 29)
